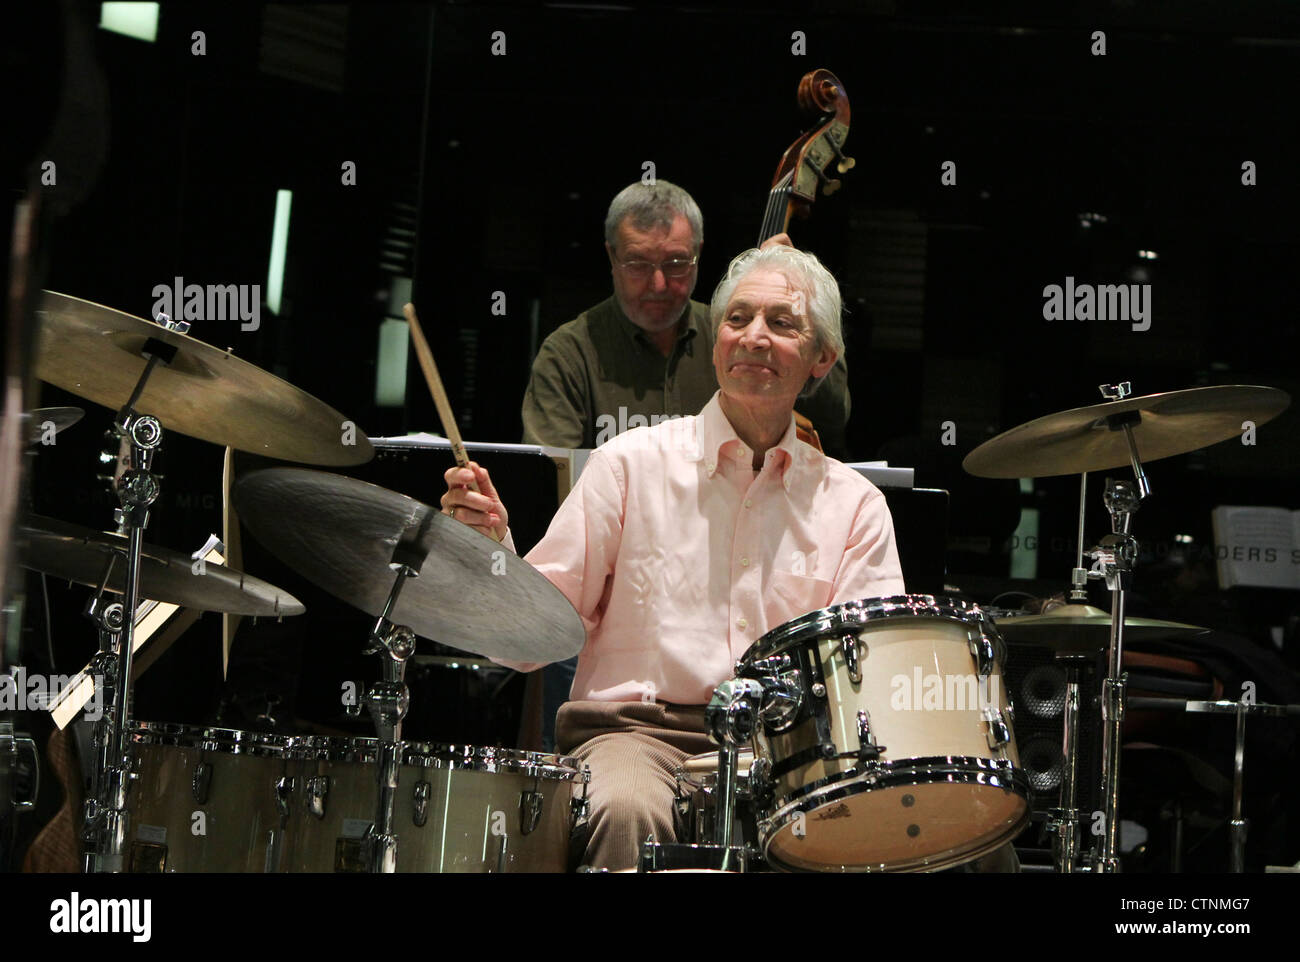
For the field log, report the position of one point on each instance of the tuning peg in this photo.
(830, 186)
(845, 164)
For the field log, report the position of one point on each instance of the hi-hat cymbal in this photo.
(94, 352)
(41, 420)
(1083, 628)
(471, 592)
(74, 553)
(1092, 438)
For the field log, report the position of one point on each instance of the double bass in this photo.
(803, 168)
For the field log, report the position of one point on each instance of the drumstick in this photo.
(436, 389)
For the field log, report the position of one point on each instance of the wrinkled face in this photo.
(766, 347)
(653, 302)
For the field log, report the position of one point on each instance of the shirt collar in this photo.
(690, 331)
(797, 461)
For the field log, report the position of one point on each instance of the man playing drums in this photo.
(685, 542)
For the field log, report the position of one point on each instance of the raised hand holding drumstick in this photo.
(471, 498)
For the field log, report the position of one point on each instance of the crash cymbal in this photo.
(1078, 628)
(1092, 438)
(41, 420)
(74, 553)
(94, 352)
(471, 592)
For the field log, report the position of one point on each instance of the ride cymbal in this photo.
(1092, 438)
(206, 393)
(471, 593)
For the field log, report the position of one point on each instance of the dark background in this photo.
(479, 173)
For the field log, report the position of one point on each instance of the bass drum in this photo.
(457, 808)
(885, 739)
(206, 799)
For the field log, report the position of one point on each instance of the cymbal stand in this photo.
(137, 488)
(1063, 822)
(1237, 824)
(1079, 577)
(1114, 561)
(388, 702)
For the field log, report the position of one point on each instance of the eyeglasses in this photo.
(675, 267)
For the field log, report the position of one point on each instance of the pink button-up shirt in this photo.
(678, 556)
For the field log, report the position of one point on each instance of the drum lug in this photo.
(982, 648)
(999, 733)
(201, 782)
(283, 789)
(420, 803)
(580, 807)
(868, 750)
(849, 645)
(530, 810)
(760, 779)
(318, 788)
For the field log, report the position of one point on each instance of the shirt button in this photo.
(742, 623)
(744, 562)
(710, 467)
(748, 503)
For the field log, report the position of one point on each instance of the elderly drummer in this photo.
(683, 543)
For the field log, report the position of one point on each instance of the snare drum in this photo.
(457, 808)
(885, 739)
(205, 799)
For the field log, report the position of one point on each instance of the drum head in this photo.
(863, 826)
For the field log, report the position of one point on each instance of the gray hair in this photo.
(808, 274)
(653, 205)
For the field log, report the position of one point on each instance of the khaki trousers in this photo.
(634, 751)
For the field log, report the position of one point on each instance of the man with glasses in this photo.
(644, 354)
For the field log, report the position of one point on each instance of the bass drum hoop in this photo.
(228, 741)
(433, 755)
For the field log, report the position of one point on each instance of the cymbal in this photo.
(94, 352)
(1080, 628)
(1083, 439)
(74, 553)
(60, 418)
(471, 593)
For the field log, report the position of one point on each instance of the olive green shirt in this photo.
(600, 375)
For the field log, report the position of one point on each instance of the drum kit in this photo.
(821, 765)
(821, 768)
(170, 797)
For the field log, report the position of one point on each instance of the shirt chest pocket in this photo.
(789, 595)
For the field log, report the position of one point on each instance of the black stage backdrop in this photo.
(473, 149)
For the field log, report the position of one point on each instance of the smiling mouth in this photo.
(752, 365)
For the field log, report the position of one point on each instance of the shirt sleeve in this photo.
(870, 566)
(555, 401)
(578, 552)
